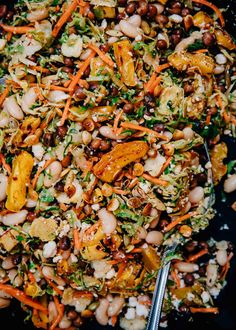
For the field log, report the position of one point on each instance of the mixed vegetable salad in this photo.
(105, 109)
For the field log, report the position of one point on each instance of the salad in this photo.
(105, 108)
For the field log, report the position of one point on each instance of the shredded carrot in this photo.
(91, 229)
(31, 277)
(77, 239)
(214, 310)
(165, 165)
(143, 129)
(50, 87)
(119, 191)
(226, 267)
(201, 51)
(9, 36)
(121, 269)
(136, 250)
(103, 56)
(198, 255)
(4, 95)
(40, 170)
(80, 72)
(208, 119)
(50, 282)
(114, 319)
(66, 111)
(60, 310)
(39, 69)
(64, 18)
(178, 220)
(148, 85)
(16, 29)
(116, 121)
(67, 83)
(213, 7)
(175, 278)
(22, 297)
(162, 67)
(226, 117)
(154, 180)
(85, 294)
(4, 163)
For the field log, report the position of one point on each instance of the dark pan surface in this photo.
(13, 317)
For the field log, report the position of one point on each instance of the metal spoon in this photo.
(160, 287)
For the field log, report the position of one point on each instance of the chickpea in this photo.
(161, 44)
(130, 8)
(208, 39)
(142, 8)
(162, 20)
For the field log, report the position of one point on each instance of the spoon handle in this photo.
(158, 297)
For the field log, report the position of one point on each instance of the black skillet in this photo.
(13, 317)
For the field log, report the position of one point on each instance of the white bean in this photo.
(30, 203)
(108, 219)
(115, 306)
(49, 272)
(15, 278)
(230, 184)
(184, 43)
(57, 96)
(49, 249)
(85, 54)
(128, 29)
(188, 133)
(219, 69)
(52, 173)
(112, 40)
(186, 267)
(108, 133)
(3, 186)
(220, 59)
(4, 295)
(4, 118)
(196, 195)
(28, 99)
(13, 219)
(211, 272)
(13, 108)
(65, 323)
(135, 20)
(37, 15)
(52, 311)
(221, 257)
(2, 44)
(101, 312)
(4, 302)
(86, 137)
(159, 7)
(154, 237)
(7, 263)
(176, 18)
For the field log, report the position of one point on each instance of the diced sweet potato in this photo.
(16, 189)
(224, 39)
(93, 252)
(218, 154)
(184, 60)
(201, 19)
(102, 113)
(112, 163)
(150, 259)
(124, 61)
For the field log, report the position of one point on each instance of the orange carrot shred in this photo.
(50, 87)
(178, 220)
(60, 310)
(198, 255)
(213, 7)
(40, 170)
(4, 163)
(16, 29)
(121, 269)
(4, 95)
(162, 67)
(175, 278)
(77, 240)
(64, 18)
(143, 129)
(22, 297)
(116, 121)
(208, 119)
(155, 180)
(214, 310)
(65, 112)
(166, 164)
(103, 56)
